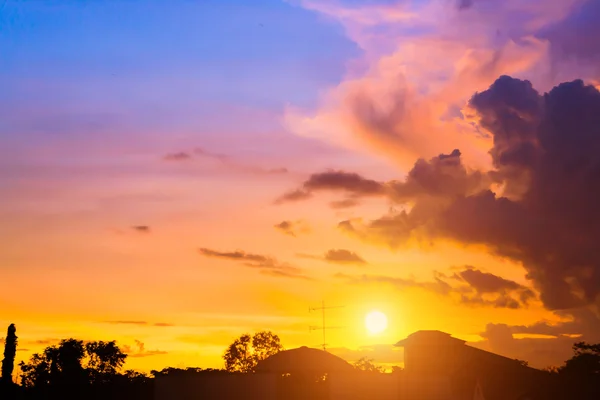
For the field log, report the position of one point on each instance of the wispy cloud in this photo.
(141, 228)
(225, 161)
(139, 323)
(292, 228)
(265, 264)
(470, 287)
(138, 349)
(337, 256)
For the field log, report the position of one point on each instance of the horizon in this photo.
(177, 175)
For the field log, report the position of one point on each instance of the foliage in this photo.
(366, 364)
(105, 359)
(245, 352)
(73, 362)
(585, 361)
(10, 350)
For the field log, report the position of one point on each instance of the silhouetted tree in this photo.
(581, 373)
(73, 364)
(105, 359)
(366, 364)
(245, 352)
(585, 361)
(10, 350)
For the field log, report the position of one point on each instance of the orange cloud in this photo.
(407, 102)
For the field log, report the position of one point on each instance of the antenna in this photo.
(323, 327)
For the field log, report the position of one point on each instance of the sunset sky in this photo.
(176, 173)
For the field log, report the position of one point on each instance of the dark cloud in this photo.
(439, 179)
(575, 37)
(286, 227)
(346, 203)
(348, 182)
(465, 4)
(345, 181)
(545, 216)
(265, 264)
(294, 195)
(484, 282)
(163, 324)
(292, 228)
(342, 256)
(180, 156)
(141, 228)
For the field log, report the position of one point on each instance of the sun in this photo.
(376, 322)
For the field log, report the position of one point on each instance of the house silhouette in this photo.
(437, 364)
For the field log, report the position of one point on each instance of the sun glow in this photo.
(376, 322)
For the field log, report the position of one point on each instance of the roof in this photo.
(303, 359)
(430, 338)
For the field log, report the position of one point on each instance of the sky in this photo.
(175, 174)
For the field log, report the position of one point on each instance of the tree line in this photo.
(77, 369)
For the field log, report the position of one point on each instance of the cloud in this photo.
(442, 177)
(209, 154)
(480, 289)
(336, 256)
(536, 204)
(141, 228)
(403, 98)
(45, 342)
(346, 203)
(293, 196)
(280, 170)
(342, 256)
(138, 349)
(179, 156)
(465, 4)
(225, 161)
(540, 205)
(265, 264)
(572, 40)
(539, 351)
(347, 182)
(438, 285)
(139, 323)
(292, 228)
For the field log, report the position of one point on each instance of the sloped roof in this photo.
(304, 359)
(429, 337)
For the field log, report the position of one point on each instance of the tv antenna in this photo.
(323, 327)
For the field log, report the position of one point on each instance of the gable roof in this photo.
(430, 338)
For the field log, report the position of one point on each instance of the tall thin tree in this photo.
(10, 350)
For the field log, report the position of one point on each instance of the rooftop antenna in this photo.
(323, 327)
